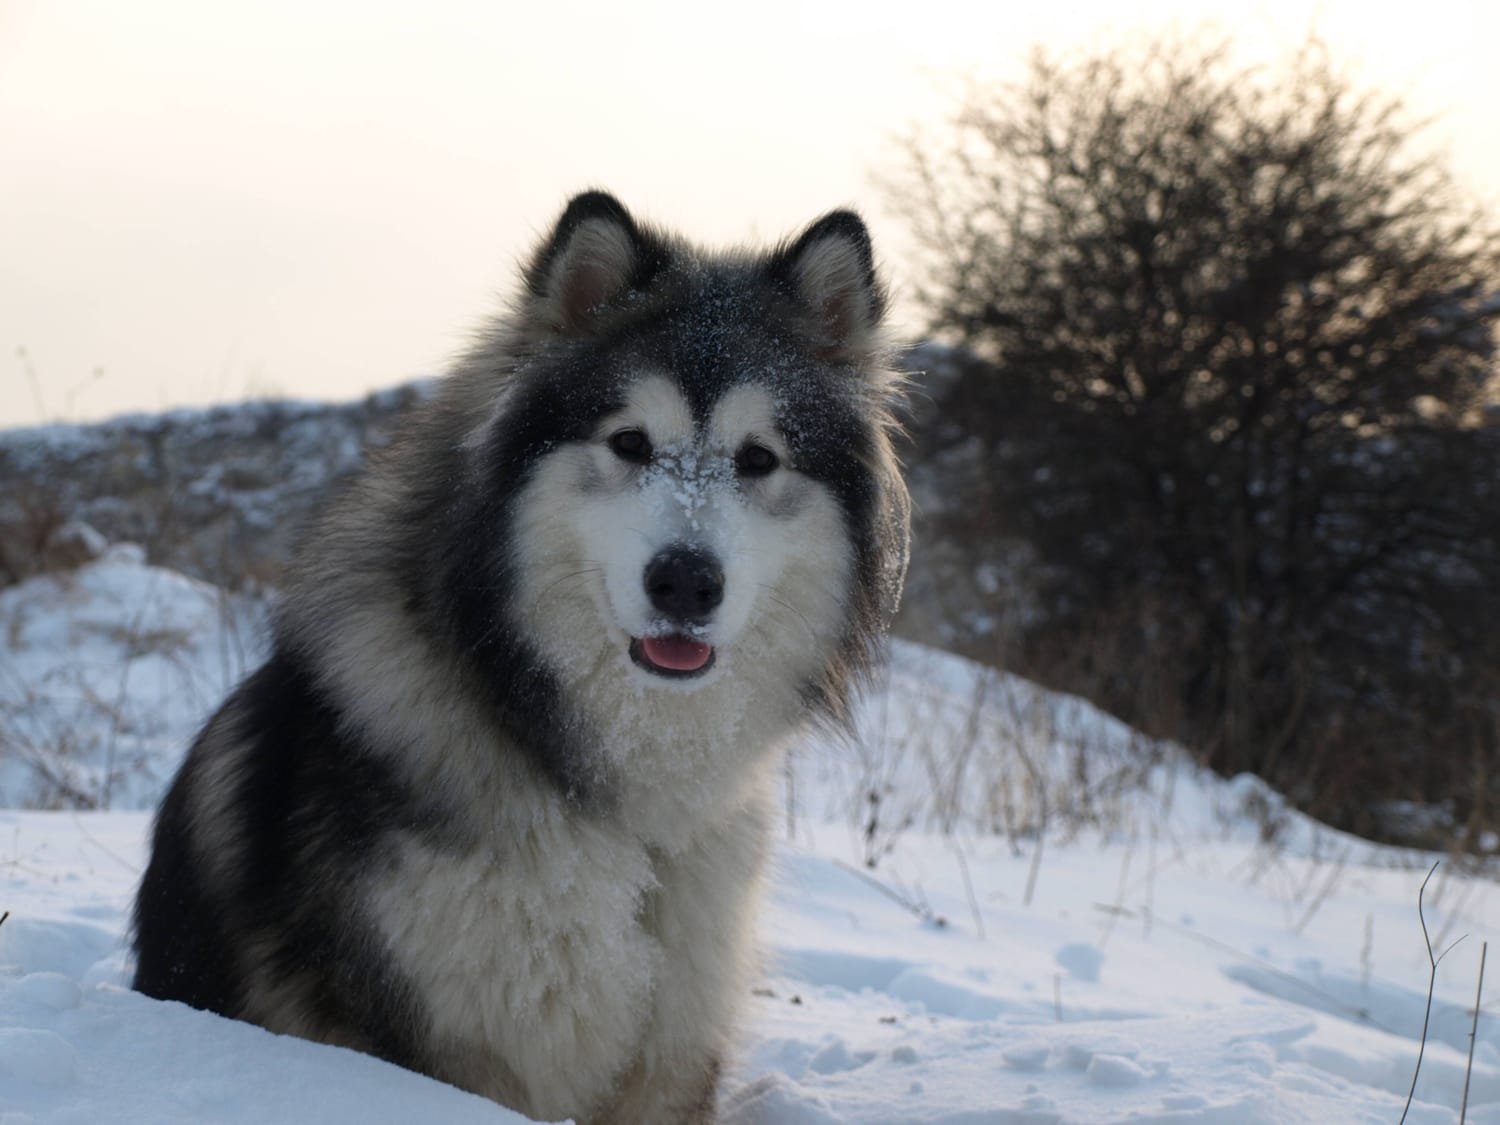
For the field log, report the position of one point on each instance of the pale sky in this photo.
(202, 201)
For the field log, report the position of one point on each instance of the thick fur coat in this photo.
(497, 806)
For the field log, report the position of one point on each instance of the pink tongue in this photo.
(679, 653)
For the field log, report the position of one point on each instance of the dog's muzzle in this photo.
(684, 585)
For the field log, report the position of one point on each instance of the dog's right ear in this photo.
(830, 269)
(593, 257)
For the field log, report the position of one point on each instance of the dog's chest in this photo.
(530, 960)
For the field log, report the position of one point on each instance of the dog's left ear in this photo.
(595, 254)
(830, 270)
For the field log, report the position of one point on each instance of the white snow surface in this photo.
(105, 673)
(1064, 921)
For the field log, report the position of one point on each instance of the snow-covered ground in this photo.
(1063, 921)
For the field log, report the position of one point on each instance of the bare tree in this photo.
(1239, 334)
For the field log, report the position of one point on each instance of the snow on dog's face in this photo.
(700, 539)
(688, 463)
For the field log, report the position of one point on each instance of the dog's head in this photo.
(692, 457)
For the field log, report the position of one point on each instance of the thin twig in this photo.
(963, 867)
(1366, 956)
(1431, 985)
(925, 913)
(1036, 861)
(1463, 1108)
(78, 824)
(1150, 886)
(1111, 916)
(1323, 892)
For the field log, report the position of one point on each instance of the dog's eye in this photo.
(755, 460)
(631, 445)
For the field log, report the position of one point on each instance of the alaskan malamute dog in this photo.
(497, 805)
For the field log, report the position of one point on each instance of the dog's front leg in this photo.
(687, 1094)
(701, 913)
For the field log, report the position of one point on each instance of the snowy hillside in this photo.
(217, 493)
(994, 906)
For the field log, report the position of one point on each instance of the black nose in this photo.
(685, 584)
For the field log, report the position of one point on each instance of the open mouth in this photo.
(675, 655)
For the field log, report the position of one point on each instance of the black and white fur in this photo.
(462, 818)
